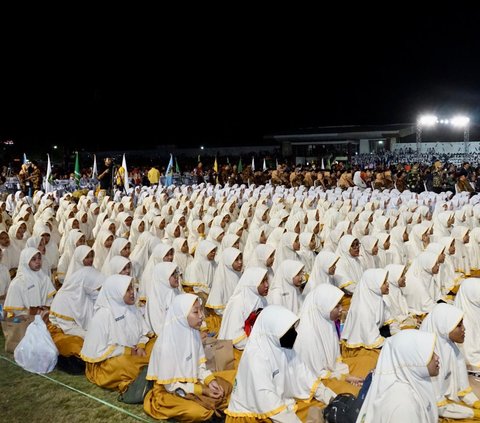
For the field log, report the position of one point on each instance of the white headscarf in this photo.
(317, 342)
(160, 295)
(114, 323)
(401, 385)
(178, 352)
(349, 269)
(395, 301)
(200, 271)
(367, 312)
(468, 300)
(283, 292)
(452, 381)
(320, 275)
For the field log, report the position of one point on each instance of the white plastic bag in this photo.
(37, 352)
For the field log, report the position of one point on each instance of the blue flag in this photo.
(169, 172)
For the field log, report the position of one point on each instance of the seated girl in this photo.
(184, 389)
(116, 345)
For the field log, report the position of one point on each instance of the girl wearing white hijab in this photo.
(450, 279)
(160, 293)
(120, 247)
(398, 252)
(367, 313)
(271, 376)
(75, 239)
(116, 345)
(401, 389)
(419, 239)
(38, 243)
(199, 273)
(102, 246)
(383, 254)
(16, 233)
(51, 249)
(468, 300)
(119, 265)
(183, 385)
(317, 342)
(451, 385)
(264, 257)
(419, 291)
(368, 252)
(225, 280)
(285, 289)
(395, 301)
(31, 286)
(307, 250)
(182, 256)
(323, 271)
(349, 269)
(288, 249)
(249, 296)
(461, 234)
(72, 307)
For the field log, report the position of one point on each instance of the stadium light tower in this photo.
(463, 122)
(424, 121)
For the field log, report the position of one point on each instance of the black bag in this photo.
(137, 390)
(341, 409)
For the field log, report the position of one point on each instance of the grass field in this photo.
(28, 397)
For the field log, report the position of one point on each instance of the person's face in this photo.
(238, 263)
(126, 269)
(174, 279)
(129, 297)
(112, 228)
(88, 260)
(451, 249)
(220, 237)
(312, 244)
(405, 236)
(141, 227)
(298, 278)
(296, 244)
(441, 258)
(402, 282)
(336, 312)
(297, 228)
(245, 225)
(263, 238)
(35, 262)
(270, 260)
(195, 317)
(182, 222)
(108, 161)
(458, 334)
(128, 221)
(176, 232)
(236, 244)
(84, 218)
(41, 247)
(466, 238)
(333, 268)
(426, 238)
(4, 239)
(386, 244)
(169, 256)
(435, 268)
(125, 251)
(201, 229)
(81, 241)
(75, 224)
(185, 248)
(265, 216)
(263, 287)
(355, 248)
(46, 238)
(434, 365)
(211, 254)
(20, 231)
(375, 250)
(108, 243)
(96, 211)
(385, 288)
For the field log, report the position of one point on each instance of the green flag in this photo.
(240, 166)
(77, 170)
(177, 167)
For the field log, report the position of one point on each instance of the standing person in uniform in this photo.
(105, 177)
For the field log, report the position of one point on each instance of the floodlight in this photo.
(460, 121)
(427, 120)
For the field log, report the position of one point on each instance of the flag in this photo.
(198, 158)
(177, 167)
(215, 169)
(253, 164)
(240, 166)
(276, 163)
(322, 166)
(328, 164)
(25, 160)
(169, 172)
(48, 178)
(264, 165)
(77, 170)
(125, 174)
(94, 169)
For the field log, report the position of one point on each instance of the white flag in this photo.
(264, 165)
(48, 185)
(94, 169)
(253, 163)
(125, 175)
(323, 165)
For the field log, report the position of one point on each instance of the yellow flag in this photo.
(215, 168)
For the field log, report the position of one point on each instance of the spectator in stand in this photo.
(153, 175)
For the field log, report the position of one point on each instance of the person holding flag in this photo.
(169, 172)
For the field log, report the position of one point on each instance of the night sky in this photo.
(236, 82)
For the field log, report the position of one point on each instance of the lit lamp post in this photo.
(423, 121)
